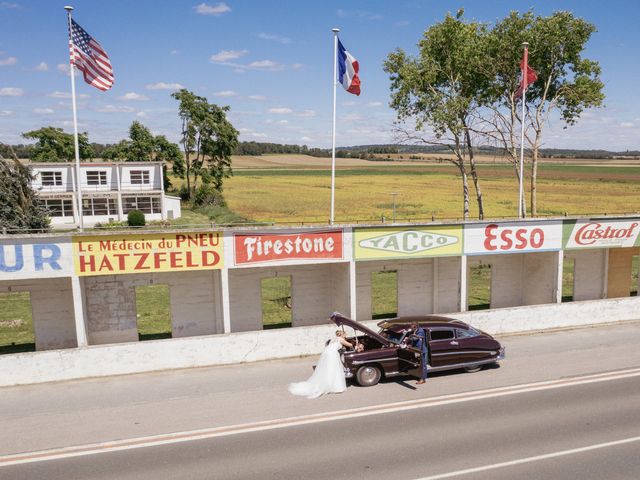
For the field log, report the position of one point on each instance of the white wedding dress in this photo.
(328, 377)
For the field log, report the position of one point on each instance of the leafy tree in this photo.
(208, 140)
(438, 90)
(54, 145)
(143, 146)
(567, 83)
(20, 208)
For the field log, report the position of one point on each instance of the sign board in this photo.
(601, 233)
(274, 247)
(35, 258)
(393, 242)
(146, 253)
(515, 237)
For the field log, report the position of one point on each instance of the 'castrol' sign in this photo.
(602, 234)
(270, 247)
(515, 237)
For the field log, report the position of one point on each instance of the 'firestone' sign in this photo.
(272, 247)
(601, 233)
(383, 243)
(145, 253)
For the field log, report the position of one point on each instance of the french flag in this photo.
(348, 70)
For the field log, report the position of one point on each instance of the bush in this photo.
(135, 218)
(184, 194)
(208, 196)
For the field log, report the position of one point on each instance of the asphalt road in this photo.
(557, 422)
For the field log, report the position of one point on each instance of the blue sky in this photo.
(271, 62)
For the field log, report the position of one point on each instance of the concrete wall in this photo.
(51, 311)
(316, 291)
(619, 271)
(111, 304)
(425, 285)
(95, 361)
(589, 277)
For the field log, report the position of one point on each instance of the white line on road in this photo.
(213, 432)
(537, 458)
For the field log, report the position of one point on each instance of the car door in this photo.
(443, 347)
(472, 346)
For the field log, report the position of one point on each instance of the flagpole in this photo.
(524, 80)
(75, 125)
(333, 140)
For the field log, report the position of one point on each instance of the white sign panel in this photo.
(516, 237)
(603, 234)
(35, 258)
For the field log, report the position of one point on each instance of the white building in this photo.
(109, 192)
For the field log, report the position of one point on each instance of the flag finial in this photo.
(68, 8)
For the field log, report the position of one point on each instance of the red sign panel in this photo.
(296, 246)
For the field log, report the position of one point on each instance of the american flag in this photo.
(88, 56)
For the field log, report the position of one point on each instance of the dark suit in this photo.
(421, 342)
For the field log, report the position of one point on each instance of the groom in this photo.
(421, 342)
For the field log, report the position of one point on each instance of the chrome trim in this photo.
(463, 352)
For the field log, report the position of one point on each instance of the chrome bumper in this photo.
(502, 354)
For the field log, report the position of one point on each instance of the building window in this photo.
(139, 177)
(51, 179)
(144, 204)
(96, 177)
(59, 207)
(99, 206)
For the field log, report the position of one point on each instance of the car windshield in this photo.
(395, 337)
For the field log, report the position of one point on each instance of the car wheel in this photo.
(475, 369)
(368, 375)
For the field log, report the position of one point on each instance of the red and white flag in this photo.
(90, 58)
(528, 74)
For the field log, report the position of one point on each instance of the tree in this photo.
(567, 83)
(208, 140)
(20, 208)
(439, 89)
(143, 146)
(54, 145)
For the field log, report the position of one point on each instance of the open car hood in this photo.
(341, 320)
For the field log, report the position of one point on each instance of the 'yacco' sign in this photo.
(408, 243)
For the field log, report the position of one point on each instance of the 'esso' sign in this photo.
(516, 237)
(510, 238)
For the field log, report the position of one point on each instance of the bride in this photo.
(328, 376)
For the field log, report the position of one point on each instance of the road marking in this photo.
(213, 432)
(537, 458)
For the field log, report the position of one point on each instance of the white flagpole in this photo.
(75, 126)
(333, 141)
(524, 80)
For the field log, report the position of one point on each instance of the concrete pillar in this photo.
(559, 280)
(434, 283)
(77, 290)
(226, 310)
(463, 283)
(353, 302)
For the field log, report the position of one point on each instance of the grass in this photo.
(384, 294)
(276, 302)
(16, 324)
(154, 312)
(479, 287)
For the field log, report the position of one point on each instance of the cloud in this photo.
(374, 104)
(266, 65)
(174, 52)
(6, 113)
(164, 86)
(115, 109)
(11, 92)
(306, 139)
(401, 23)
(259, 98)
(41, 67)
(133, 96)
(141, 114)
(66, 68)
(57, 94)
(274, 38)
(226, 55)
(8, 61)
(627, 125)
(215, 10)
(306, 113)
(296, 66)
(280, 110)
(9, 5)
(350, 103)
(351, 117)
(282, 122)
(43, 111)
(225, 93)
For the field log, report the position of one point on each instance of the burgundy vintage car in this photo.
(453, 344)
